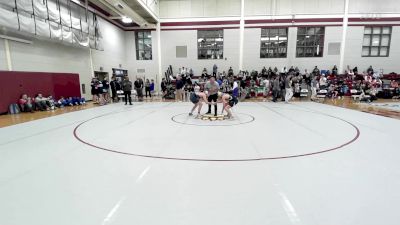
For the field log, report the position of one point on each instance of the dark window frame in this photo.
(370, 46)
(204, 46)
(276, 50)
(143, 35)
(303, 47)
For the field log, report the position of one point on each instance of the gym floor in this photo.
(150, 163)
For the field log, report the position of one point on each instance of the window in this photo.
(310, 41)
(376, 41)
(210, 44)
(273, 43)
(143, 45)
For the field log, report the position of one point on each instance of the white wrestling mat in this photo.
(152, 164)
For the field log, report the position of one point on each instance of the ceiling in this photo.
(111, 13)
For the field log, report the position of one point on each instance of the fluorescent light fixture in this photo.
(126, 20)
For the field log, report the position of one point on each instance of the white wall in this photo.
(132, 64)
(288, 7)
(199, 8)
(3, 62)
(171, 39)
(354, 49)
(374, 6)
(114, 48)
(252, 60)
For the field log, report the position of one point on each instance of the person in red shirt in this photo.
(25, 103)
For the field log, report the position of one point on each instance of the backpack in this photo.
(13, 109)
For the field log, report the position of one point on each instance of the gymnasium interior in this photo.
(193, 112)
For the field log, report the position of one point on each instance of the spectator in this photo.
(276, 89)
(322, 82)
(179, 88)
(127, 88)
(334, 70)
(316, 71)
(370, 71)
(139, 88)
(25, 103)
(152, 86)
(115, 86)
(314, 87)
(51, 102)
(288, 88)
(163, 87)
(215, 70)
(266, 84)
(40, 102)
(94, 90)
(147, 87)
(105, 90)
(230, 71)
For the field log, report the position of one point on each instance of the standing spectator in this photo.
(25, 103)
(334, 70)
(204, 73)
(152, 86)
(127, 87)
(315, 71)
(215, 70)
(163, 87)
(179, 88)
(114, 87)
(94, 90)
(266, 87)
(276, 89)
(212, 89)
(147, 87)
(106, 88)
(230, 71)
(288, 88)
(314, 87)
(370, 71)
(139, 88)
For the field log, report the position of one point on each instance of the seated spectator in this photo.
(51, 102)
(41, 102)
(323, 82)
(25, 103)
(61, 102)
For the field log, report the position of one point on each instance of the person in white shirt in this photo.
(266, 87)
(322, 81)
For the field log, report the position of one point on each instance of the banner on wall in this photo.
(26, 24)
(42, 28)
(8, 19)
(65, 19)
(66, 34)
(40, 9)
(54, 15)
(55, 31)
(8, 3)
(25, 5)
(76, 23)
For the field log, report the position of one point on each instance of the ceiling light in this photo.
(126, 20)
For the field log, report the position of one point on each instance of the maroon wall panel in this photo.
(13, 84)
